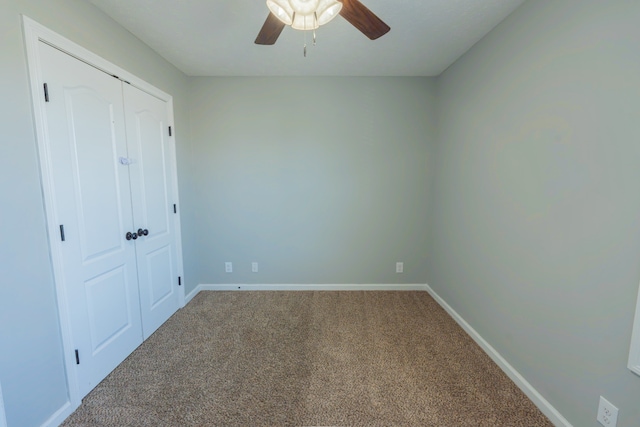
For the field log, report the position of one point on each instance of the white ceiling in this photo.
(216, 37)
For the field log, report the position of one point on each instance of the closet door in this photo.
(152, 197)
(92, 202)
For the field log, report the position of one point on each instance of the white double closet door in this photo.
(111, 167)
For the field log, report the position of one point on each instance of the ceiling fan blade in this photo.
(270, 30)
(363, 19)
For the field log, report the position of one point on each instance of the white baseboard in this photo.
(60, 415)
(188, 297)
(545, 407)
(306, 287)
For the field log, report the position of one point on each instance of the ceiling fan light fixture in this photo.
(282, 10)
(285, 12)
(327, 10)
(304, 14)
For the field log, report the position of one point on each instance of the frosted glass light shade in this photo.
(327, 10)
(282, 10)
(304, 14)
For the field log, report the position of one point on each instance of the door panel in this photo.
(91, 193)
(92, 141)
(150, 132)
(108, 307)
(160, 269)
(152, 199)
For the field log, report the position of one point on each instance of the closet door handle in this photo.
(131, 235)
(142, 232)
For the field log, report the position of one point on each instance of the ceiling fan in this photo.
(289, 12)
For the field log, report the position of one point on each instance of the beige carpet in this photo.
(308, 359)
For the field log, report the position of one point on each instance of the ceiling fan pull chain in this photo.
(315, 25)
(304, 19)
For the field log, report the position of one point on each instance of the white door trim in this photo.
(35, 33)
(3, 418)
(634, 350)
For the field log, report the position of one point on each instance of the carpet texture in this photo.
(308, 359)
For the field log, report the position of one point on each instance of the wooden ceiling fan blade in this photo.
(363, 19)
(270, 30)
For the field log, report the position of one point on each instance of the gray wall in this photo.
(319, 180)
(31, 363)
(536, 238)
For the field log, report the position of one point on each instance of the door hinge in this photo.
(169, 130)
(179, 281)
(121, 79)
(175, 210)
(62, 232)
(77, 357)
(46, 93)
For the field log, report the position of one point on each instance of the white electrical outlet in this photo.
(254, 267)
(399, 267)
(228, 267)
(607, 413)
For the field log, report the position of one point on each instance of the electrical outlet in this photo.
(228, 267)
(607, 413)
(254, 267)
(399, 267)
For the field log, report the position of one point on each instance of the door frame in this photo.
(34, 33)
(634, 350)
(3, 418)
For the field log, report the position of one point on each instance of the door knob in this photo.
(142, 232)
(131, 235)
